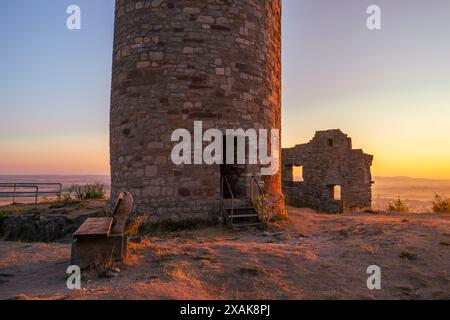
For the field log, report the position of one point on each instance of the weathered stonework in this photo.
(176, 62)
(328, 161)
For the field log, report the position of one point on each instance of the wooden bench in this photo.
(100, 239)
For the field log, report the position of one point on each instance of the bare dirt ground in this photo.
(311, 256)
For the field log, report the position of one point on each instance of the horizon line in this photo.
(109, 175)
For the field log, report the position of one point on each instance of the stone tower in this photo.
(177, 62)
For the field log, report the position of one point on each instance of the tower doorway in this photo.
(234, 176)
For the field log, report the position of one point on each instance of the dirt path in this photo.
(312, 256)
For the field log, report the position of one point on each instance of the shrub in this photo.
(261, 204)
(66, 197)
(398, 206)
(88, 192)
(134, 226)
(441, 204)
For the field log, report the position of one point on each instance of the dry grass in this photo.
(103, 264)
(134, 226)
(310, 256)
(398, 206)
(441, 204)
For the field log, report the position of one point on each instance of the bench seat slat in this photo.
(95, 227)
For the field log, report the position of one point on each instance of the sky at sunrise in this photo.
(388, 89)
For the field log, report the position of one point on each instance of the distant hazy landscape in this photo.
(416, 193)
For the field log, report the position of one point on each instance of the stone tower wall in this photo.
(176, 62)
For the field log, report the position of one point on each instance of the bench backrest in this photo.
(121, 212)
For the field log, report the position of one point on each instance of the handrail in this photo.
(253, 182)
(11, 184)
(28, 194)
(225, 181)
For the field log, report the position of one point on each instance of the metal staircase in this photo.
(238, 212)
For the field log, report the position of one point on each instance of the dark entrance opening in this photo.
(233, 175)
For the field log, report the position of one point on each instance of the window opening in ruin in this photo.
(298, 174)
(330, 142)
(335, 192)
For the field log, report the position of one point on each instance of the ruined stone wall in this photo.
(176, 62)
(329, 160)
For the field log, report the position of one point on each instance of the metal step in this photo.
(238, 204)
(246, 225)
(237, 201)
(240, 208)
(243, 212)
(237, 216)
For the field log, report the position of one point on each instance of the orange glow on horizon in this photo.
(55, 155)
(89, 155)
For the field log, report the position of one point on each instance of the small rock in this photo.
(136, 239)
(116, 270)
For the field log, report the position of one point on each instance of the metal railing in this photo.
(254, 182)
(225, 185)
(30, 190)
(224, 181)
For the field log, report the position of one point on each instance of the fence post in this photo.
(14, 194)
(60, 191)
(37, 194)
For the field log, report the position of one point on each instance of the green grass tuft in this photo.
(249, 271)
(408, 256)
(88, 192)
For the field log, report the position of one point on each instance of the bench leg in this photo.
(73, 253)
